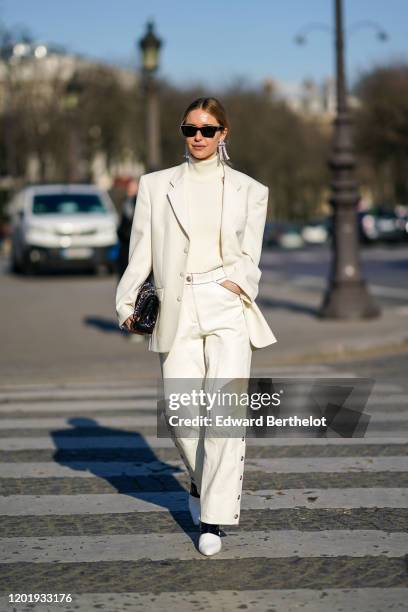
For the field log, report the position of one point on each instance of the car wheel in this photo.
(15, 266)
(102, 270)
(27, 267)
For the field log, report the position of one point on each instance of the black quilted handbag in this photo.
(146, 308)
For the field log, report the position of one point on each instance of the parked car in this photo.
(405, 223)
(269, 234)
(316, 231)
(63, 226)
(290, 237)
(282, 234)
(380, 225)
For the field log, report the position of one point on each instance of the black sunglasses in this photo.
(207, 131)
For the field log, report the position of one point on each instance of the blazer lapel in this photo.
(231, 186)
(177, 196)
(178, 200)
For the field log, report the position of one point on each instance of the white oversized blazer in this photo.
(159, 240)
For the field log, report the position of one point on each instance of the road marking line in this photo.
(289, 465)
(179, 546)
(280, 600)
(138, 441)
(136, 501)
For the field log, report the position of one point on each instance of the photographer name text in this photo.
(259, 421)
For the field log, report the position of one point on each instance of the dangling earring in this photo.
(222, 151)
(186, 153)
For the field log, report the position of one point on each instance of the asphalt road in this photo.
(63, 327)
(385, 268)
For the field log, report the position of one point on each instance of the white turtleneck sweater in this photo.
(204, 189)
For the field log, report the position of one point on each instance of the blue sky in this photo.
(216, 41)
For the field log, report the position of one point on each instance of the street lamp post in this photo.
(347, 296)
(150, 45)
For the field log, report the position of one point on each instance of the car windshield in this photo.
(67, 203)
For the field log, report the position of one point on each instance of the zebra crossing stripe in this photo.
(285, 465)
(62, 423)
(369, 599)
(44, 394)
(162, 546)
(137, 501)
(138, 441)
(122, 392)
(140, 408)
(74, 407)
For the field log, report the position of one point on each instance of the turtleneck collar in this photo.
(204, 169)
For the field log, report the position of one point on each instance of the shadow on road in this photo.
(288, 305)
(102, 324)
(91, 447)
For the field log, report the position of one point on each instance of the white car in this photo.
(63, 225)
(315, 232)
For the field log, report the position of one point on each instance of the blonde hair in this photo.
(212, 106)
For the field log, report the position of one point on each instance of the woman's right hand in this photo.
(128, 324)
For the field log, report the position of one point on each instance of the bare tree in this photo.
(382, 131)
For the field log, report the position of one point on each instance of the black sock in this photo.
(193, 490)
(209, 528)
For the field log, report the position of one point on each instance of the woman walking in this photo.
(199, 226)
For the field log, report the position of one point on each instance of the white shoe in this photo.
(195, 507)
(209, 544)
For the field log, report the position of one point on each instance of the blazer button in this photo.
(235, 515)
(178, 298)
(188, 278)
(181, 274)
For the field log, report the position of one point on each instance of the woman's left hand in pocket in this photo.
(228, 284)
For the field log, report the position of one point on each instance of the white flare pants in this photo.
(211, 343)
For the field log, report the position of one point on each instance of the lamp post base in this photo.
(348, 300)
